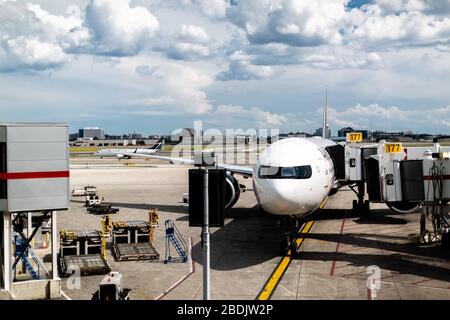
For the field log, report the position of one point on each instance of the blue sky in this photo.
(152, 66)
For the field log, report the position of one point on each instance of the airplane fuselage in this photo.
(121, 152)
(294, 176)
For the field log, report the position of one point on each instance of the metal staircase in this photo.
(175, 239)
(22, 250)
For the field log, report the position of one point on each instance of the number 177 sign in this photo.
(393, 148)
(354, 137)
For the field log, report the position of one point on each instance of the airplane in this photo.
(292, 177)
(129, 153)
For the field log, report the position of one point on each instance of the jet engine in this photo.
(403, 207)
(232, 191)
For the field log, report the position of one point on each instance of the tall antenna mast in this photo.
(325, 109)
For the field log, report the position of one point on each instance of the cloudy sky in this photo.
(152, 66)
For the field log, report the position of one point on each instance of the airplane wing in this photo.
(163, 158)
(242, 170)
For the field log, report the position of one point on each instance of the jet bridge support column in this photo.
(54, 248)
(360, 206)
(361, 193)
(6, 280)
(423, 219)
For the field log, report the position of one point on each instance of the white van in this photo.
(90, 190)
(78, 192)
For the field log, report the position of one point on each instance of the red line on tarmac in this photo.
(176, 284)
(33, 175)
(333, 265)
(420, 281)
(445, 177)
(369, 294)
(352, 274)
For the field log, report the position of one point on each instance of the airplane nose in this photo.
(287, 198)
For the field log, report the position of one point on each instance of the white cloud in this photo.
(46, 41)
(118, 28)
(328, 35)
(345, 59)
(371, 116)
(378, 26)
(254, 114)
(188, 51)
(427, 6)
(187, 85)
(30, 53)
(393, 6)
(193, 34)
(377, 117)
(191, 43)
(241, 68)
(171, 89)
(158, 101)
(30, 20)
(145, 71)
(211, 8)
(324, 22)
(443, 48)
(33, 39)
(441, 112)
(294, 22)
(330, 57)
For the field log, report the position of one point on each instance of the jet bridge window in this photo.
(300, 172)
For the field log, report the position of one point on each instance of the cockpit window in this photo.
(288, 172)
(300, 172)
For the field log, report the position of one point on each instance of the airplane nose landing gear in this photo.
(288, 242)
(289, 237)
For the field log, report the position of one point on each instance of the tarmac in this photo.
(334, 260)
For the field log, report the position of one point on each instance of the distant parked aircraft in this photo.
(128, 153)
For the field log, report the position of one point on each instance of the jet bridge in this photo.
(407, 184)
(404, 178)
(349, 165)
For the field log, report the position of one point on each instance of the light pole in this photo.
(206, 239)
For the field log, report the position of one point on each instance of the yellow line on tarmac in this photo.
(281, 268)
(323, 202)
